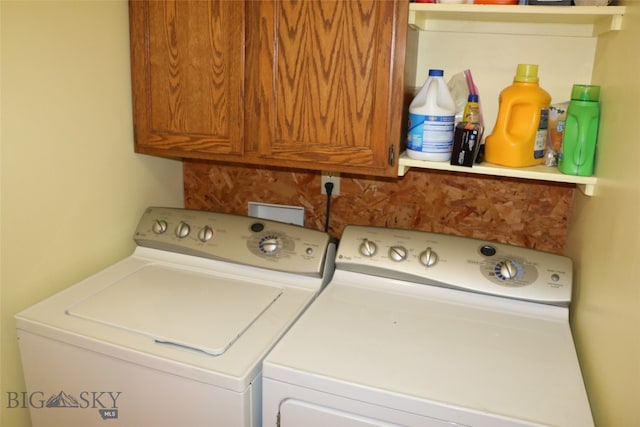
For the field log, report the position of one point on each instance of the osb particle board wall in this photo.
(524, 213)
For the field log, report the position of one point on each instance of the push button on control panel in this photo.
(257, 227)
(488, 250)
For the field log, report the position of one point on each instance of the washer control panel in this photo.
(234, 238)
(456, 262)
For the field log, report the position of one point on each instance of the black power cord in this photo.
(328, 186)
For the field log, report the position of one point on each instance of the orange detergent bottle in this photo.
(519, 136)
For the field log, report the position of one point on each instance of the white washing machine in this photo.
(423, 329)
(175, 334)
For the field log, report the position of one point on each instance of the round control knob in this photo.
(368, 248)
(159, 226)
(205, 234)
(428, 257)
(508, 269)
(182, 230)
(270, 245)
(397, 253)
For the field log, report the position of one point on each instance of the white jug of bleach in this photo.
(432, 121)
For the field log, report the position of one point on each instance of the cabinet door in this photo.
(325, 83)
(187, 60)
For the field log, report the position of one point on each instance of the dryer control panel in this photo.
(457, 262)
(234, 238)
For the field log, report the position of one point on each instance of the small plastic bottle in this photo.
(519, 136)
(471, 110)
(431, 120)
(577, 156)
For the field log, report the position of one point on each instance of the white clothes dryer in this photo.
(425, 329)
(174, 334)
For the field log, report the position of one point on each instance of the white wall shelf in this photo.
(565, 21)
(578, 21)
(540, 173)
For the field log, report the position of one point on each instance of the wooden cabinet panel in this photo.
(330, 85)
(307, 84)
(187, 60)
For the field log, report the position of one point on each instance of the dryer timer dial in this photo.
(507, 269)
(270, 244)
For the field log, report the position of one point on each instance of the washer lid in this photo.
(179, 307)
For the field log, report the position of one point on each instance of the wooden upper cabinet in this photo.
(329, 87)
(307, 84)
(187, 60)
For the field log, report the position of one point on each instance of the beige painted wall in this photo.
(72, 189)
(604, 238)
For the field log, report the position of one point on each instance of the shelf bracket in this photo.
(586, 189)
(607, 23)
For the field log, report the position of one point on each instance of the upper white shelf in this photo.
(576, 21)
(541, 173)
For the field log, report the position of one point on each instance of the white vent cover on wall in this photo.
(282, 213)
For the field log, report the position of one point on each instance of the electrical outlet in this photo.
(330, 177)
